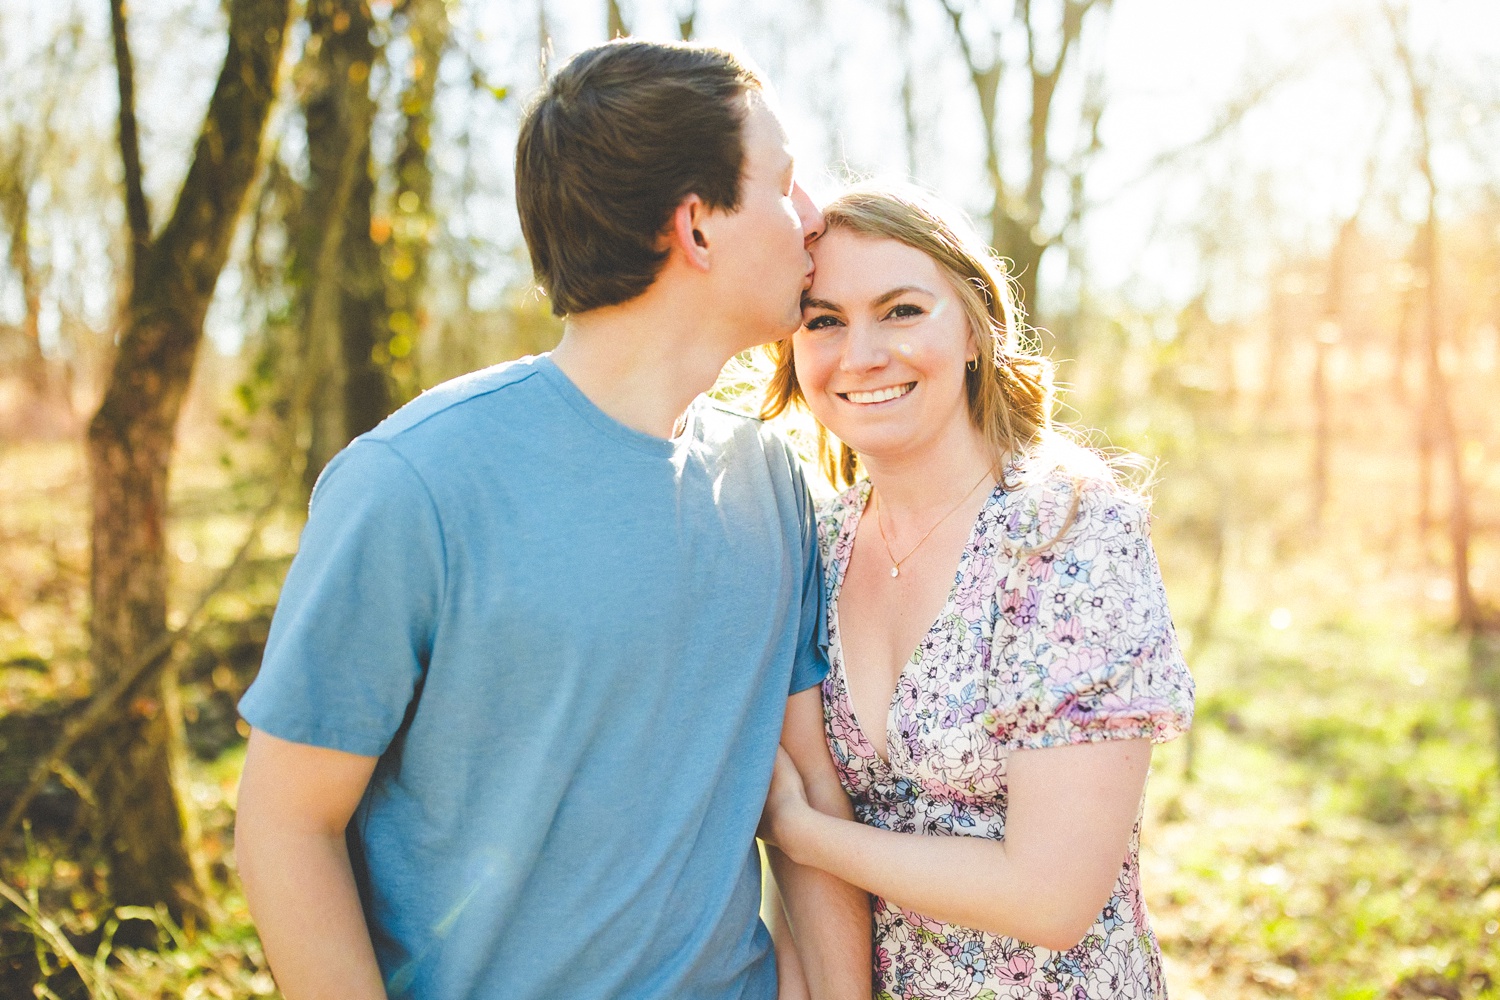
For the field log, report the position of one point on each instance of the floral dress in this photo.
(1039, 645)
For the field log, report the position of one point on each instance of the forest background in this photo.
(1262, 242)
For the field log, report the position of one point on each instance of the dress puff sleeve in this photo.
(1083, 648)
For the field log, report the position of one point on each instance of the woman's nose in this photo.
(863, 351)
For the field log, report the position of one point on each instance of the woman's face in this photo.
(880, 356)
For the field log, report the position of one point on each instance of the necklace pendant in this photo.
(895, 571)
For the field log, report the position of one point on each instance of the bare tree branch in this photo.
(137, 212)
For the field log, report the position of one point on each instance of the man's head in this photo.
(634, 147)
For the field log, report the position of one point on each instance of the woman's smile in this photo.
(872, 397)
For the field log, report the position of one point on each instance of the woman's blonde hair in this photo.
(1010, 393)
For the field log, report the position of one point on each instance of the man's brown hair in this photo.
(619, 136)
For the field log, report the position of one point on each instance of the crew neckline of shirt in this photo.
(608, 425)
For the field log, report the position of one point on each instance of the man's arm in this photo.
(791, 981)
(294, 802)
(830, 919)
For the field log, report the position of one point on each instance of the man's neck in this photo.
(638, 367)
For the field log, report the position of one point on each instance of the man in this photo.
(522, 695)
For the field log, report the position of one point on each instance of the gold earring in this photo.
(972, 364)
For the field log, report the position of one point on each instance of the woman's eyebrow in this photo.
(811, 303)
(896, 293)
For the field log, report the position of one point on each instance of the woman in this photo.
(1002, 657)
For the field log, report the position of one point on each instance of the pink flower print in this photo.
(1040, 568)
(1021, 610)
(917, 920)
(1139, 716)
(1018, 970)
(1132, 896)
(1067, 631)
(882, 960)
(1080, 711)
(1080, 661)
(841, 722)
(971, 606)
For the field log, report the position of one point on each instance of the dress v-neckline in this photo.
(847, 533)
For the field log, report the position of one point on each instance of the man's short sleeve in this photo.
(812, 633)
(354, 627)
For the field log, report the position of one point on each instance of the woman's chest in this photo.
(937, 743)
(880, 624)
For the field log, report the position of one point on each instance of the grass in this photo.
(1338, 838)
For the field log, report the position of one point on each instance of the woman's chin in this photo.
(879, 448)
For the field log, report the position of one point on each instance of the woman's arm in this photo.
(830, 919)
(1069, 817)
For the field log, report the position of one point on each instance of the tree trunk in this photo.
(1276, 347)
(363, 313)
(1014, 241)
(1440, 427)
(130, 441)
(15, 210)
(1401, 350)
(686, 20)
(901, 14)
(337, 261)
(615, 26)
(413, 220)
(1325, 337)
(1440, 420)
(1015, 216)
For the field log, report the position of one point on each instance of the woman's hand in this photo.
(786, 806)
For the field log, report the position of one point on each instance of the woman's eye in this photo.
(905, 311)
(819, 322)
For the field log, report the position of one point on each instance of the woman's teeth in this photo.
(880, 395)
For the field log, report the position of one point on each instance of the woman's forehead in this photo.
(854, 264)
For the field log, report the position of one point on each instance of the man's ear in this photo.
(688, 227)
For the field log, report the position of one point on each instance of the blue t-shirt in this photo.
(570, 644)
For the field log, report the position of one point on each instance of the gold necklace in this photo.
(880, 524)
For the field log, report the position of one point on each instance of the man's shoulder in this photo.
(423, 446)
(721, 423)
(451, 404)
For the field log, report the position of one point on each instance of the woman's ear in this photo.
(976, 345)
(688, 232)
